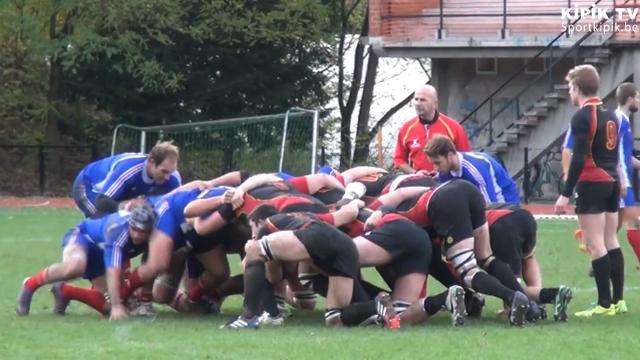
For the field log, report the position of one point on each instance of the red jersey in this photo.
(418, 212)
(413, 137)
(494, 215)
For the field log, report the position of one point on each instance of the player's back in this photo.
(290, 221)
(601, 126)
(98, 170)
(99, 230)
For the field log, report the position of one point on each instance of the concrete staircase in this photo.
(549, 117)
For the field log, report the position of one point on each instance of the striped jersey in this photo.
(111, 234)
(486, 173)
(124, 176)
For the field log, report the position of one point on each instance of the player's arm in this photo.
(311, 184)
(113, 256)
(214, 222)
(635, 163)
(233, 178)
(567, 150)
(358, 172)
(625, 181)
(236, 197)
(202, 206)
(397, 196)
(106, 205)
(580, 132)
(195, 184)
(566, 162)
(346, 214)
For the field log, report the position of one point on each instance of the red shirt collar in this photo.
(592, 101)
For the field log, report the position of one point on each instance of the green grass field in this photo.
(30, 239)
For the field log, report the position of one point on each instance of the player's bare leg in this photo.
(73, 265)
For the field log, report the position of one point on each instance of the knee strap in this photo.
(465, 264)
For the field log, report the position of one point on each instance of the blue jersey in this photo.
(625, 147)
(124, 176)
(567, 143)
(111, 235)
(486, 174)
(170, 210)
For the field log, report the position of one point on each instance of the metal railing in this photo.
(504, 14)
(548, 73)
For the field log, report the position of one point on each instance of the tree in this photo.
(163, 61)
(350, 13)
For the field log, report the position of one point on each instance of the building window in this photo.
(537, 66)
(486, 66)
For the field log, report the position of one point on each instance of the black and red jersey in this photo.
(494, 215)
(356, 227)
(283, 197)
(495, 211)
(417, 209)
(595, 151)
(291, 221)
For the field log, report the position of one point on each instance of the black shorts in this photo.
(315, 208)
(513, 238)
(597, 197)
(375, 187)
(329, 197)
(408, 245)
(330, 249)
(194, 267)
(456, 209)
(199, 244)
(226, 236)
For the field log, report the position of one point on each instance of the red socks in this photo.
(633, 236)
(130, 285)
(423, 292)
(196, 291)
(90, 297)
(37, 280)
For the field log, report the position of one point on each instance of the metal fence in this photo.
(42, 169)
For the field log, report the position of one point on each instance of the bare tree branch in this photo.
(426, 72)
(391, 112)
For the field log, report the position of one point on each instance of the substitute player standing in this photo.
(594, 174)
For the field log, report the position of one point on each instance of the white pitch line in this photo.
(555, 217)
(593, 289)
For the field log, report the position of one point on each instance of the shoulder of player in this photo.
(130, 158)
(115, 225)
(581, 119)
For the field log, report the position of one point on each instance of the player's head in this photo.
(583, 83)
(425, 101)
(628, 96)
(442, 153)
(328, 170)
(258, 216)
(141, 222)
(163, 161)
